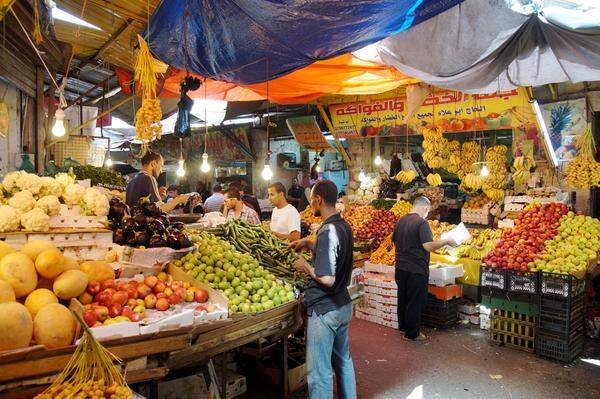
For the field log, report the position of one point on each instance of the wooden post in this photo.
(40, 129)
(286, 390)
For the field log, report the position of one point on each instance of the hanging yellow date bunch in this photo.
(147, 120)
(583, 171)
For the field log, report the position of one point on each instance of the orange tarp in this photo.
(344, 74)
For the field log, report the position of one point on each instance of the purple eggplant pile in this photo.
(145, 226)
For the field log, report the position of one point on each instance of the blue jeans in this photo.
(327, 342)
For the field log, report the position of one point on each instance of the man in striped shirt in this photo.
(144, 184)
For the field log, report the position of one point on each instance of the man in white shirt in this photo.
(285, 221)
(214, 203)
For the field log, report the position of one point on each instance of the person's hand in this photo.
(181, 199)
(162, 191)
(301, 265)
(300, 245)
(451, 242)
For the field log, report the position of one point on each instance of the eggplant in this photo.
(164, 219)
(117, 211)
(141, 220)
(119, 237)
(155, 226)
(113, 201)
(172, 241)
(185, 241)
(157, 240)
(141, 238)
(150, 209)
(179, 226)
(128, 223)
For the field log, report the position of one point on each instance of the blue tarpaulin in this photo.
(239, 40)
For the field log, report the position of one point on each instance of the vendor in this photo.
(295, 193)
(234, 207)
(285, 220)
(144, 184)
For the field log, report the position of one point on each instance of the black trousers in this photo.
(412, 298)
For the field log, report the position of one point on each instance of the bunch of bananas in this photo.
(476, 247)
(494, 183)
(401, 208)
(522, 173)
(469, 155)
(147, 120)
(406, 176)
(476, 202)
(385, 254)
(437, 228)
(434, 179)
(472, 182)
(583, 171)
(436, 147)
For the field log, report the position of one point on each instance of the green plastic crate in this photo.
(530, 309)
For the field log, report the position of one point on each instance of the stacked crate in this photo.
(561, 321)
(380, 302)
(440, 314)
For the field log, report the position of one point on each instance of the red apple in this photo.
(114, 310)
(89, 316)
(182, 292)
(132, 303)
(120, 297)
(127, 312)
(108, 284)
(161, 295)
(200, 308)
(132, 292)
(175, 285)
(101, 312)
(162, 304)
(150, 301)
(86, 298)
(151, 281)
(93, 287)
(104, 298)
(159, 287)
(143, 290)
(174, 299)
(135, 317)
(201, 295)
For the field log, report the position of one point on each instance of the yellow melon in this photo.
(39, 298)
(7, 294)
(71, 264)
(98, 270)
(16, 326)
(70, 284)
(18, 270)
(5, 249)
(50, 263)
(34, 247)
(54, 326)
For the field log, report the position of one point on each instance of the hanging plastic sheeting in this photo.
(344, 74)
(486, 46)
(231, 40)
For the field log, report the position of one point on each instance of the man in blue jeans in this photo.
(327, 300)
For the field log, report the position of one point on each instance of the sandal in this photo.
(422, 337)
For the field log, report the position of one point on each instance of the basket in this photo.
(523, 281)
(494, 278)
(561, 285)
(562, 318)
(561, 350)
(512, 329)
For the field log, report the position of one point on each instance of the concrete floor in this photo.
(460, 363)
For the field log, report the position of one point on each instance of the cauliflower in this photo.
(10, 180)
(64, 179)
(10, 219)
(22, 201)
(30, 182)
(95, 202)
(35, 220)
(49, 204)
(73, 194)
(51, 186)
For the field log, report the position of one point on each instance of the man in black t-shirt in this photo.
(327, 300)
(413, 240)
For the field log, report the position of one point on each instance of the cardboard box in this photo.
(378, 268)
(193, 386)
(297, 376)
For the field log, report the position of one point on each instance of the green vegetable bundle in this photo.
(271, 252)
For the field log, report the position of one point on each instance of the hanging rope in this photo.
(37, 32)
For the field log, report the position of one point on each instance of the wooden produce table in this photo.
(25, 373)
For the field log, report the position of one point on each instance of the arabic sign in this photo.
(452, 110)
(307, 132)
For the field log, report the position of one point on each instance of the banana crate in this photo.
(512, 329)
(477, 216)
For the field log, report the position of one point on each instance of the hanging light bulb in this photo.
(108, 163)
(180, 169)
(361, 176)
(318, 168)
(484, 171)
(378, 161)
(58, 130)
(267, 173)
(204, 167)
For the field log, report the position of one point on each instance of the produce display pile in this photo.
(476, 247)
(522, 245)
(356, 216)
(308, 216)
(584, 171)
(90, 374)
(476, 202)
(401, 208)
(145, 225)
(30, 200)
(99, 176)
(112, 301)
(249, 286)
(388, 188)
(271, 252)
(377, 227)
(385, 253)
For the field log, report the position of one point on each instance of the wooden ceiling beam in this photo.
(110, 5)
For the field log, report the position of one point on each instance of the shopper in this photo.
(172, 192)
(201, 188)
(234, 207)
(248, 198)
(214, 203)
(413, 240)
(295, 193)
(327, 300)
(144, 184)
(285, 219)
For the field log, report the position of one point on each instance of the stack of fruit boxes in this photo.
(380, 302)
